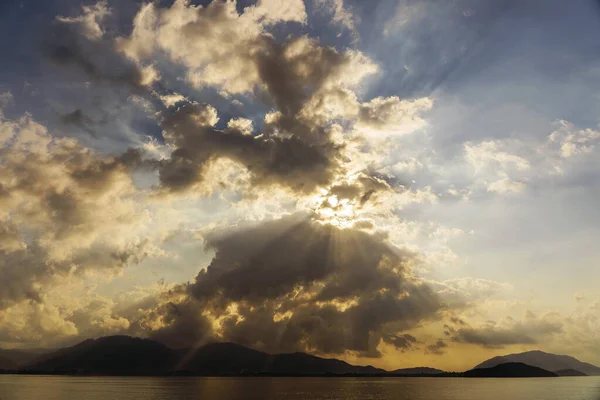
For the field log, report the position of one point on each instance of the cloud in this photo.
(71, 313)
(580, 335)
(573, 141)
(249, 118)
(6, 98)
(243, 125)
(392, 115)
(438, 348)
(89, 22)
(531, 330)
(33, 325)
(63, 211)
(507, 166)
(78, 119)
(11, 239)
(488, 154)
(270, 12)
(295, 149)
(325, 281)
(172, 99)
(82, 43)
(341, 15)
(403, 342)
(308, 85)
(468, 292)
(217, 45)
(271, 160)
(505, 185)
(297, 284)
(474, 288)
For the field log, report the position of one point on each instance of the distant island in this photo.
(559, 364)
(127, 356)
(418, 371)
(510, 370)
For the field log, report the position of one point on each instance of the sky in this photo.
(395, 182)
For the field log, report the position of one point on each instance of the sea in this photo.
(24, 387)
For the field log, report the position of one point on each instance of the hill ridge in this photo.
(510, 370)
(125, 355)
(541, 359)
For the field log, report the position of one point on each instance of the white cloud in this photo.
(506, 166)
(341, 15)
(170, 100)
(90, 20)
(573, 141)
(243, 125)
(505, 185)
(473, 289)
(409, 166)
(392, 115)
(275, 11)
(490, 154)
(215, 43)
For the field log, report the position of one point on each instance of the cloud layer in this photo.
(278, 174)
(296, 284)
(63, 211)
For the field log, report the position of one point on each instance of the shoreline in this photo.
(257, 375)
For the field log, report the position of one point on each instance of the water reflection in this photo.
(75, 388)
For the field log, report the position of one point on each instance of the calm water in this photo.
(70, 388)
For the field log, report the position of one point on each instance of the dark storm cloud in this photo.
(438, 348)
(287, 161)
(248, 263)
(96, 89)
(186, 326)
(292, 73)
(327, 329)
(401, 342)
(296, 284)
(74, 42)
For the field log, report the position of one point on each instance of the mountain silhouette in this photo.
(123, 355)
(230, 358)
(7, 363)
(417, 371)
(14, 359)
(547, 361)
(112, 355)
(569, 372)
(509, 370)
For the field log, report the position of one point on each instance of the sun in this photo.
(337, 212)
